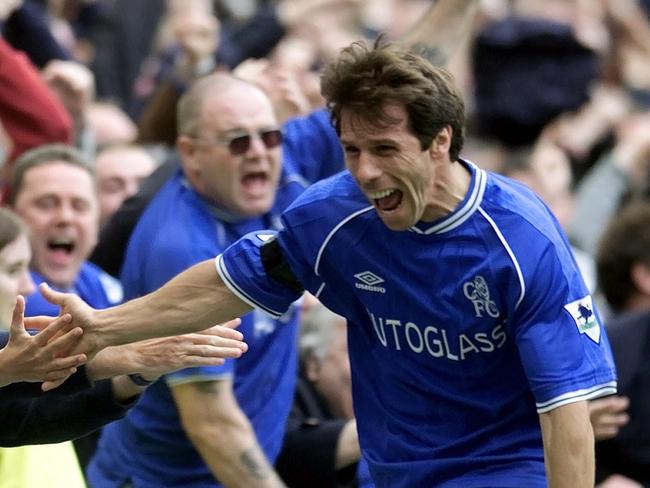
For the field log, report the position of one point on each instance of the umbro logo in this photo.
(369, 282)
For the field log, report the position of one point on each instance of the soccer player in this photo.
(473, 341)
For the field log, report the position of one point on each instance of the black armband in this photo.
(276, 265)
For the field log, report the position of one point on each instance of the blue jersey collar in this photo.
(464, 210)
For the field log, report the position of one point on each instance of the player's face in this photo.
(58, 202)
(236, 158)
(14, 276)
(391, 169)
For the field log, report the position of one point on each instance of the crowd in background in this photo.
(557, 96)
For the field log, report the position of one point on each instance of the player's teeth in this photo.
(380, 194)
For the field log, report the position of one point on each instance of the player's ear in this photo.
(441, 143)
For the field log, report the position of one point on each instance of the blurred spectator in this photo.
(74, 84)
(527, 72)
(308, 142)
(622, 171)
(624, 276)
(53, 189)
(30, 113)
(191, 41)
(26, 27)
(121, 39)
(120, 170)
(230, 150)
(109, 124)
(321, 447)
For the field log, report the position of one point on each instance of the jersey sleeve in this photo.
(562, 345)
(242, 270)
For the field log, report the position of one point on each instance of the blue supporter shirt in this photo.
(178, 229)
(460, 331)
(93, 285)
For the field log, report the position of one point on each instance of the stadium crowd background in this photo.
(557, 92)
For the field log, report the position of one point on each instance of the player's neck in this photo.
(450, 185)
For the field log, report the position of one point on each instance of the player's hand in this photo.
(83, 316)
(608, 415)
(42, 357)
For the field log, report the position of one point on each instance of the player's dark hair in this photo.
(364, 79)
(625, 242)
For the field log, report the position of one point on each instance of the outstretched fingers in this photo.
(38, 322)
(18, 318)
(216, 338)
(232, 324)
(196, 361)
(226, 330)
(58, 327)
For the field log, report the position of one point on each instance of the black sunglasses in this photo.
(241, 143)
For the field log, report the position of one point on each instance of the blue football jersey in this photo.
(461, 331)
(93, 285)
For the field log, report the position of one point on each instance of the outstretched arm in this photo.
(192, 301)
(441, 30)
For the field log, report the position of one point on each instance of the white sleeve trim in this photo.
(233, 287)
(577, 396)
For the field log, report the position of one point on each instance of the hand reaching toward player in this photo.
(42, 356)
(155, 357)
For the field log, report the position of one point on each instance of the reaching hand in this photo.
(154, 357)
(207, 348)
(43, 356)
(608, 415)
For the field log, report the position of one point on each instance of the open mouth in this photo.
(253, 182)
(61, 247)
(387, 200)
